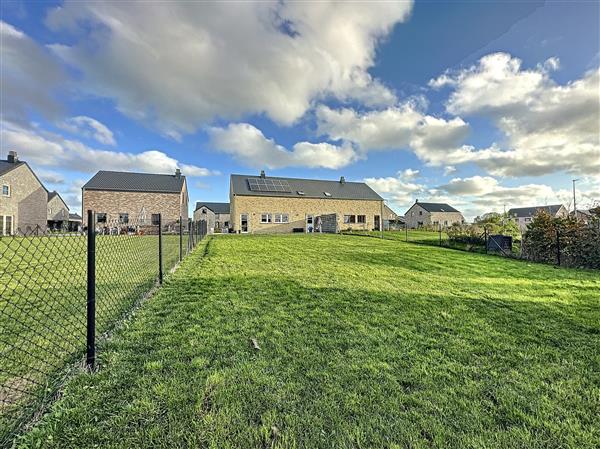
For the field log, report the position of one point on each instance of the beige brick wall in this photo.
(27, 201)
(170, 205)
(297, 209)
(57, 210)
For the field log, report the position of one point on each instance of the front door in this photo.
(377, 228)
(244, 223)
(310, 223)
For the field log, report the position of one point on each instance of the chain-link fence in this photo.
(61, 292)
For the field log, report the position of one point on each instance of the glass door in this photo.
(310, 227)
(244, 223)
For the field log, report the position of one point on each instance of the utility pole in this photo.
(574, 201)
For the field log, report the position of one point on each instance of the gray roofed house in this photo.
(216, 215)
(58, 212)
(524, 215)
(432, 215)
(272, 204)
(217, 208)
(135, 199)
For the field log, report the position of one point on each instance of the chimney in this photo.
(262, 174)
(417, 200)
(177, 173)
(12, 157)
(342, 180)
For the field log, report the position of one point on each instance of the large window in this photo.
(266, 218)
(155, 219)
(6, 225)
(5, 190)
(282, 218)
(349, 219)
(361, 219)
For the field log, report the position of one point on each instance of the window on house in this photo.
(361, 218)
(6, 224)
(123, 218)
(282, 218)
(349, 218)
(101, 217)
(5, 190)
(155, 219)
(435, 223)
(420, 212)
(265, 218)
(445, 222)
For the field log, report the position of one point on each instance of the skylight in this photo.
(327, 193)
(300, 192)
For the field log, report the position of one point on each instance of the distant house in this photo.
(583, 215)
(58, 212)
(124, 198)
(216, 216)
(74, 222)
(524, 215)
(266, 204)
(391, 220)
(432, 214)
(23, 198)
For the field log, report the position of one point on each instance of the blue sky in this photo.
(479, 104)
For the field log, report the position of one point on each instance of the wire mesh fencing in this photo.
(61, 292)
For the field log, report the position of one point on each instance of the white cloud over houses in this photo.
(249, 145)
(89, 127)
(47, 149)
(179, 65)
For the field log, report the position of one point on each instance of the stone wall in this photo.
(297, 210)
(57, 210)
(27, 202)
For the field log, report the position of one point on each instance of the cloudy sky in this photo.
(477, 104)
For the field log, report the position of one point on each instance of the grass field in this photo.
(43, 306)
(365, 343)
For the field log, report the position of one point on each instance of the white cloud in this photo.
(249, 145)
(173, 65)
(549, 127)
(30, 76)
(89, 127)
(50, 177)
(52, 150)
(399, 189)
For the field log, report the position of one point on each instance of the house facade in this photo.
(216, 216)
(23, 198)
(135, 199)
(432, 214)
(524, 215)
(58, 212)
(74, 222)
(261, 204)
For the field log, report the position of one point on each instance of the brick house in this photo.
(432, 214)
(23, 198)
(58, 212)
(216, 216)
(523, 215)
(261, 204)
(124, 198)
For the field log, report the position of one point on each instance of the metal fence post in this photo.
(91, 291)
(406, 230)
(160, 250)
(440, 234)
(485, 239)
(558, 246)
(190, 236)
(180, 238)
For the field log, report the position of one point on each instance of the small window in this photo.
(349, 219)
(361, 218)
(155, 219)
(123, 218)
(445, 222)
(281, 218)
(327, 193)
(204, 211)
(435, 223)
(101, 217)
(420, 212)
(265, 218)
(5, 190)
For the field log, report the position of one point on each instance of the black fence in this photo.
(62, 292)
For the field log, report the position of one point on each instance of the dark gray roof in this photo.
(217, 208)
(531, 211)
(6, 166)
(74, 217)
(135, 182)
(437, 207)
(312, 188)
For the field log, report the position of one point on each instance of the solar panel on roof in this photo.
(268, 185)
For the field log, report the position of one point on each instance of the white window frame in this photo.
(12, 225)
(282, 218)
(266, 218)
(123, 217)
(364, 219)
(349, 219)
(247, 223)
(8, 189)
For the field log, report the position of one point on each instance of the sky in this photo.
(483, 105)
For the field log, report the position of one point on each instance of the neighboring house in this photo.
(74, 222)
(23, 198)
(216, 216)
(135, 199)
(58, 212)
(432, 214)
(524, 215)
(261, 204)
(583, 215)
(391, 220)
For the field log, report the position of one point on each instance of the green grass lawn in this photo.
(43, 306)
(365, 343)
